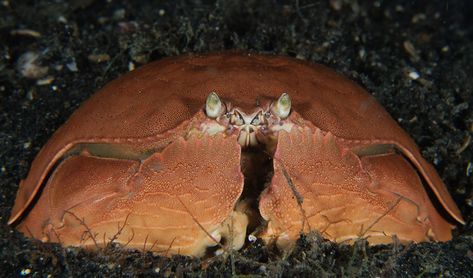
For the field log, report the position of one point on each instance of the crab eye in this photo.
(282, 108)
(267, 114)
(213, 105)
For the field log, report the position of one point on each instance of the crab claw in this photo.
(318, 185)
(180, 201)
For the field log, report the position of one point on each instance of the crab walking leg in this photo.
(181, 200)
(318, 185)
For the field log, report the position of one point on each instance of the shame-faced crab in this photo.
(194, 151)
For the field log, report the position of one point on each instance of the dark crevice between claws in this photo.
(257, 168)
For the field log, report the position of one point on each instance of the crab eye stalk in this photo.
(213, 105)
(282, 108)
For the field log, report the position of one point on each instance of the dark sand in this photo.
(378, 45)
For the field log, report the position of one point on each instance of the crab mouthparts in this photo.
(247, 136)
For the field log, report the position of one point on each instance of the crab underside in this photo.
(227, 174)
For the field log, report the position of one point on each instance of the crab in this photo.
(193, 153)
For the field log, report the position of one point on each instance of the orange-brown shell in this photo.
(160, 96)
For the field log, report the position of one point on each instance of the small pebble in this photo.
(119, 14)
(26, 33)
(25, 272)
(62, 19)
(469, 201)
(469, 169)
(98, 58)
(127, 26)
(45, 81)
(414, 75)
(31, 93)
(131, 66)
(399, 8)
(362, 53)
(262, 269)
(102, 20)
(464, 145)
(29, 66)
(411, 50)
(26, 145)
(413, 120)
(418, 17)
(336, 5)
(72, 66)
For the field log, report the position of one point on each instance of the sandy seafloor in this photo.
(415, 57)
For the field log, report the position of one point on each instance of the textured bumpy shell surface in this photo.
(158, 97)
(344, 197)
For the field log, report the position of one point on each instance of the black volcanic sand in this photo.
(416, 59)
